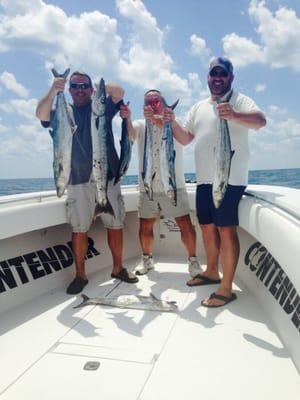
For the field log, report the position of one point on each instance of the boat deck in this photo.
(228, 353)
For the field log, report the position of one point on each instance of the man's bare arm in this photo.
(44, 106)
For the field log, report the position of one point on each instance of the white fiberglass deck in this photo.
(197, 353)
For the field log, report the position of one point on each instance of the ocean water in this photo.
(277, 177)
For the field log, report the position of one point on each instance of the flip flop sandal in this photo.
(219, 297)
(124, 276)
(205, 280)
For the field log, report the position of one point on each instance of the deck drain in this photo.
(91, 365)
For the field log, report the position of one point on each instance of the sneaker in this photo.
(146, 265)
(76, 286)
(194, 267)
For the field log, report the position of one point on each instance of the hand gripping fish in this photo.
(125, 153)
(63, 128)
(137, 302)
(223, 156)
(167, 156)
(99, 131)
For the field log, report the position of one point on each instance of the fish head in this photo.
(99, 99)
(154, 100)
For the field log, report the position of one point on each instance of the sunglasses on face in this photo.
(79, 85)
(220, 74)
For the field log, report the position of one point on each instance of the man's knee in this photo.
(146, 225)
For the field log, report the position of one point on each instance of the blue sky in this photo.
(149, 44)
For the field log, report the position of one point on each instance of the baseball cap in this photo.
(222, 62)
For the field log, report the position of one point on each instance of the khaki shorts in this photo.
(161, 205)
(81, 203)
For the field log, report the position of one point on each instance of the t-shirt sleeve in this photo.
(246, 104)
(189, 121)
(112, 108)
(48, 124)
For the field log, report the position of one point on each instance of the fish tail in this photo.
(84, 301)
(117, 178)
(57, 75)
(106, 208)
(154, 297)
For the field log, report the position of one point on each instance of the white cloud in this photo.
(275, 110)
(278, 33)
(9, 81)
(281, 140)
(26, 140)
(25, 108)
(242, 51)
(261, 87)
(48, 31)
(3, 128)
(146, 64)
(199, 48)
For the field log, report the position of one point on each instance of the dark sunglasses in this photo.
(79, 85)
(220, 74)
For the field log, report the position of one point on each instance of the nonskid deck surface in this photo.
(196, 353)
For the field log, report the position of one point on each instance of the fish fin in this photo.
(153, 176)
(174, 303)
(84, 301)
(57, 75)
(174, 104)
(74, 129)
(232, 153)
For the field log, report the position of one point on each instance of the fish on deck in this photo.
(137, 302)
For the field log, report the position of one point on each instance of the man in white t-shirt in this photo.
(218, 225)
(150, 209)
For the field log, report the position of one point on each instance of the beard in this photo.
(219, 89)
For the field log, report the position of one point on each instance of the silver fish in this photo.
(125, 153)
(63, 128)
(99, 134)
(167, 157)
(223, 157)
(137, 302)
(147, 172)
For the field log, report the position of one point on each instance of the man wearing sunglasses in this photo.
(151, 209)
(81, 194)
(218, 225)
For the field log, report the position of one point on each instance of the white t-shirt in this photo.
(139, 126)
(203, 122)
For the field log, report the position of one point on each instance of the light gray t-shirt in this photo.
(203, 122)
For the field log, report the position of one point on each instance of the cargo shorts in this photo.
(161, 205)
(81, 203)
